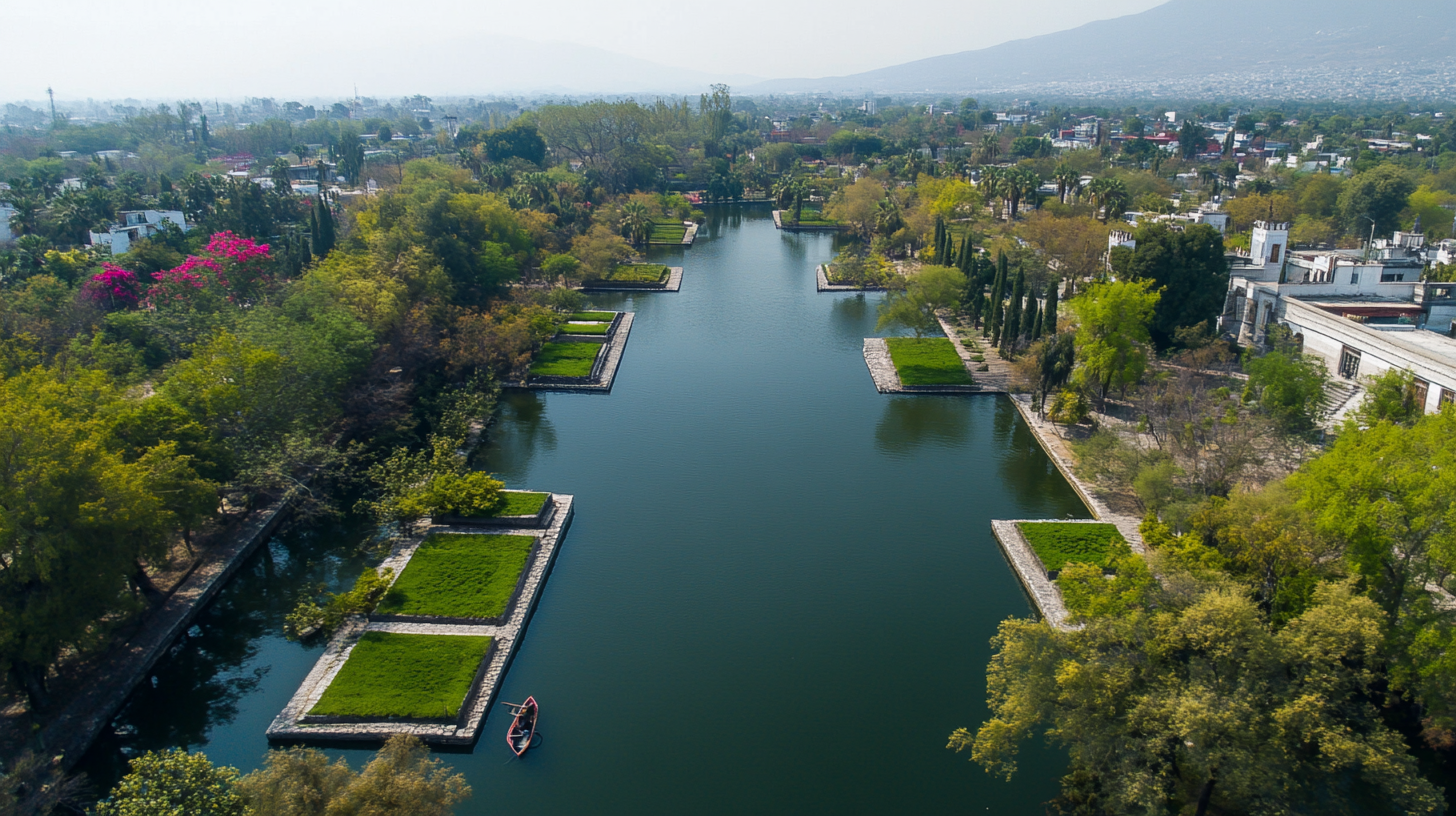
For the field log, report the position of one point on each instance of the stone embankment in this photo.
(604, 371)
(674, 284)
(290, 724)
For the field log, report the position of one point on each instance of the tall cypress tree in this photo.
(939, 240)
(1030, 316)
(1011, 328)
(1049, 321)
(313, 230)
(998, 296)
(1036, 330)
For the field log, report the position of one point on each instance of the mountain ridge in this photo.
(1170, 44)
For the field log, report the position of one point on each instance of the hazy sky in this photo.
(168, 48)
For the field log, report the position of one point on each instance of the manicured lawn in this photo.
(566, 359)
(1058, 544)
(459, 576)
(668, 232)
(413, 676)
(927, 361)
(522, 504)
(636, 273)
(600, 317)
(585, 328)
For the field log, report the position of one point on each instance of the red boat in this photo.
(523, 727)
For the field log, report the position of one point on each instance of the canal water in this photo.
(776, 596)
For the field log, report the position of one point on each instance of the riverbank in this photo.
(77, 725)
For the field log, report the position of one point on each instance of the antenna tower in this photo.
(52, 94)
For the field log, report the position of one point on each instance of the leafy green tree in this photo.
(1199, 706)
(1112, 333)
(296, 781)
(1390, 397)
(1379, 194)
(1290, 387)
(932, 289)
(1190, 269)
(402, 780)
(77, 519)
(175, 783)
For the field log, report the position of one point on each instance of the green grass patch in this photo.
(585, 328)
(1058, 543)
(413, 676)
(566, 359)
(522, 504)
(668, 232)
(927, 361)
(636, 273)
(459, 576)
(600, 317)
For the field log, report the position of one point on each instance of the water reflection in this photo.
(197, 687)
(910, 422)
(522, 430)
(848, 315)
(1024, 467)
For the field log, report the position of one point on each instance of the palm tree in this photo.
(538, 185)
(782, 192)
(636, 223)
(1022, 182)
(888, 217)
(1067, 179)
(1110, 196)
(990, 148)
(991, 187)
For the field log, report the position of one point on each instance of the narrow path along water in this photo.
(777, 594)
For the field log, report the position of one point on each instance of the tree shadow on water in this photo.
(1026, 469)
(909, 423)
(520, 431)
(198, 685)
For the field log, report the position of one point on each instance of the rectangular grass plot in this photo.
(927, 361)
(1057, 544)
(455, 575)
(389, 675)
(566, 359)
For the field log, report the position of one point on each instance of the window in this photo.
(1349, 363)
(1354, 278)
(1274, 254)
(1420, 389)
(1448, 397)
(1392, 277)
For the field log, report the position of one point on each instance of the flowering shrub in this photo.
(231, 268)
(113, 285)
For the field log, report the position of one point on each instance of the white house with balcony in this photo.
(136, 225)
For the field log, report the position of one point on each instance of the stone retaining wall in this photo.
(538, 520)
(604, 368)
(823, 285)
(674, 283)
(1028, 567)
(292, 723)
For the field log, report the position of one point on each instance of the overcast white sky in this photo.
(170, 48)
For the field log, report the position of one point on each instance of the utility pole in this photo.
(52, 94)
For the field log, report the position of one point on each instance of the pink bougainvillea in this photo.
(114, 284)
(233, 268)
(238, 250)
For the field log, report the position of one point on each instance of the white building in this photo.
(7, 212)
(136, 225)
(1362, 312)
